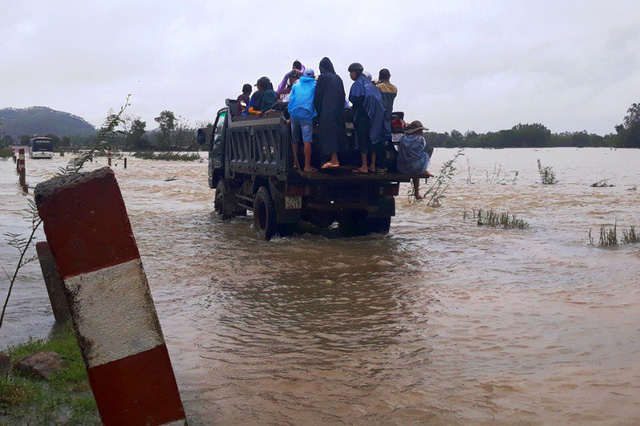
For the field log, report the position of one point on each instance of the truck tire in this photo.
(221, 198)
(264, 214)
(379, 225)
(288, 229)
(354, 224)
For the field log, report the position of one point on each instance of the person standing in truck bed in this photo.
(302, 113)
(329, 102)
(388, 90)
(371, 127)
(389, 93)
(297, 66)
(283, 93)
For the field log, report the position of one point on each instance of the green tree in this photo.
(136, 135)
(456, 135)
(629, 130)
(7, 141)
(531, 135)
(167, 122)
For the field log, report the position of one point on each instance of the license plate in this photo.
(293, 202)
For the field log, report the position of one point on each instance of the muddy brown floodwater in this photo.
(439, 322)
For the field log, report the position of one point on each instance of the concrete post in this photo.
(125, 162)
(88, 230)
(53, 283)
(22, 171)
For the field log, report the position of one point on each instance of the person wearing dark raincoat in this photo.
(414, 155)
(372, 127)
(329, 102)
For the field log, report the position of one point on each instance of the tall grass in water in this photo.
(609, 236)
(630, 236)
(547, 175)
(494, 220)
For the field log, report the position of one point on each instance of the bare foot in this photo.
(296, 166)
(310, 169)
(362, 169)
(418, 196)
(372, 168)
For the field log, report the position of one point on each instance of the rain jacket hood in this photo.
(326, 66)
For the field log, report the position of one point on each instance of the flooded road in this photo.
(440, 321)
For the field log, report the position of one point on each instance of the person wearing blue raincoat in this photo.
(302, 112)
(371, 124)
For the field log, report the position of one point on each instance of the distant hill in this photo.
(42, 120)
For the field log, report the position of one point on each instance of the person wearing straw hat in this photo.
(414, 154)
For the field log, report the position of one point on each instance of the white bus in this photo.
(41, 147)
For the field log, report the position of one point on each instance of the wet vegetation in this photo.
(547, 175)
(6, 153)
(167, 156)
(496, 220)
(435, 193)
(609, 236)
(63, 398)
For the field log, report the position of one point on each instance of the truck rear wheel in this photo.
(379, 225)
(264, 214)
(354, 224)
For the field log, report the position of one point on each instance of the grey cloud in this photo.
(465, 65)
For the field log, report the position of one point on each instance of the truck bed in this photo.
(345, 174)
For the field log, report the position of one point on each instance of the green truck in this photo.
(251, 169)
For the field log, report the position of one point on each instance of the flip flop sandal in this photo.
(330, 166)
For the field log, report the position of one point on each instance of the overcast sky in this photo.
(464, 65)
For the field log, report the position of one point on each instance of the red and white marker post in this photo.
(88, 231)
(22, 171)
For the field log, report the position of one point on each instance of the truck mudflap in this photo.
(386, 207)
(283, 214)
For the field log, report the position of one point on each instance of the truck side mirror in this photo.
(202, 136)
